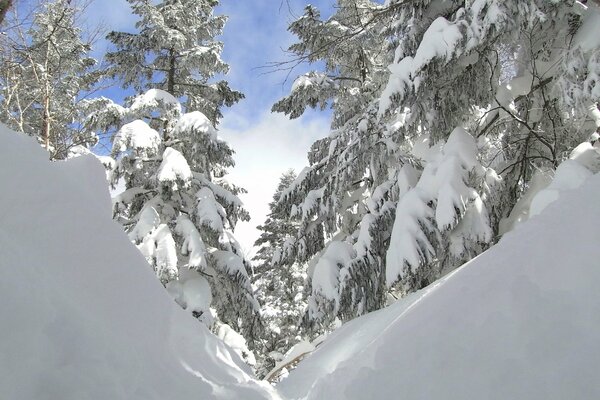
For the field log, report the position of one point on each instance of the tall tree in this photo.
(178, 207)
(45, 72)
(442, 112)
(280, 288)
(175, 50)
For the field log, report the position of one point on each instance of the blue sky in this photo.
(266, 144)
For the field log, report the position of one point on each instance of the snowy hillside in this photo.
(521, 321)
(82, 314)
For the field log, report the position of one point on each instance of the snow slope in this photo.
(521, 321)
(82, 316)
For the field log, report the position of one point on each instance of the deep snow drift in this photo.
(521, 321)
(82, 316)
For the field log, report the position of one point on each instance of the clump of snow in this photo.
(197, 294)
(410, 243)
(236, 342)
(155, 98)
(307, 80)
(195, 121)
(326, 275)
(520, 321)
(137, 135)
(208, 211)
(587, 155)
(173, 168)
(442, 195)
(193, 246)
(520, 212)
(83, 316)
(569, 175)
(439, 41)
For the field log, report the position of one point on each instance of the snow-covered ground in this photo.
(82, 315)
(521, 321)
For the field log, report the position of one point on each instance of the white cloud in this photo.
(265, 150)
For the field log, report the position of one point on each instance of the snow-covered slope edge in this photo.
(81, 314)
(521, 321)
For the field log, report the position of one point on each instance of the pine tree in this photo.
(280, 289)
(45, 73)
(178, 207)
(438, 126)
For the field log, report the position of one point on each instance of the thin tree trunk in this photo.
(170, 85)
(46, 126)
(171, 74)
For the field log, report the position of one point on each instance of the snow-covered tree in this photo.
(174, 49)
(177, 206)
(442, 111)
(45, 72)
(280, 288)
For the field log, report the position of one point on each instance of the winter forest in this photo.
(270, 199)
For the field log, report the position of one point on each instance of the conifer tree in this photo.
(45, 72)
(178, 207)
(442, 112)
(280, 288)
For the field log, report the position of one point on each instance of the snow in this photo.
(208, 211)
(83, 316)
(196, 293)
(439, 41)
(137, 135)
(326, 275)
(588, 36)
(295, 353)
(521, 321)
(587, 155)
(195, 121)
(229, 262)
(173, 168)
(520, 212)
(410, 244)
(458, 207)
(193, 246)
(307, 80)
(153, 99)
(236, 342)
(569, 175)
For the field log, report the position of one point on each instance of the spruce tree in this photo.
(178, 207)
(280, 288)
(442, 111)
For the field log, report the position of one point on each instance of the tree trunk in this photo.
(170, 86)
(46, 125)
(171, 74)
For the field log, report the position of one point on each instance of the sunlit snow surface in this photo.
(82, 315)
(521, 321)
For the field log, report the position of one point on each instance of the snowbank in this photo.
(521, 321)
(82, 315)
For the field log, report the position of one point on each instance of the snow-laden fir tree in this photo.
(442, 111)
(280, 288)
(45, 72)
(180, 37)
(177, 205)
